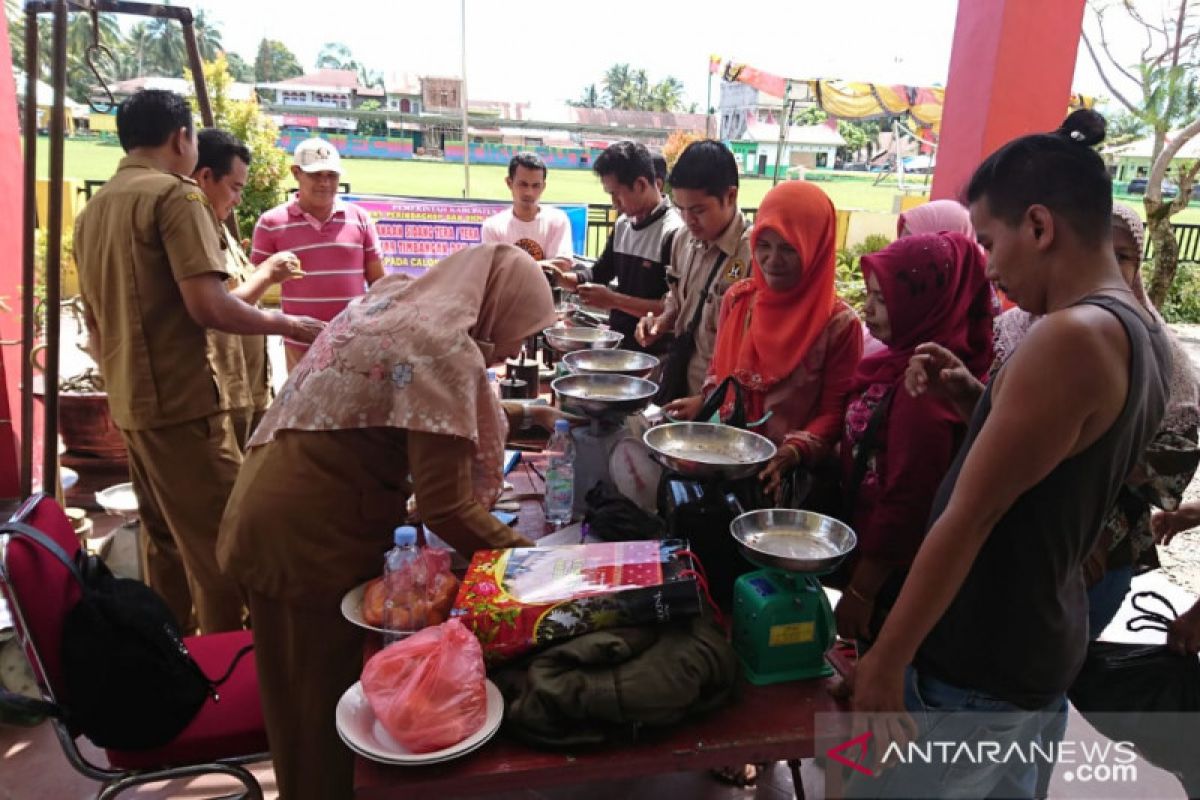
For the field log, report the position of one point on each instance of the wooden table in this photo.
(765, 723)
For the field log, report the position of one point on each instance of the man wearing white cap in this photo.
(334, 240)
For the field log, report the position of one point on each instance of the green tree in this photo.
(809, 115)
(133, 52)
(16, 32)
(166, 54)
(666, 95)
(244, 119)
(631, 89)
(1124, 127)
(208, 36)
(589, 98)
(241, 71)
(1160, 87)
(335, 55)
(371, 126)
(275, 62)
(80, 34)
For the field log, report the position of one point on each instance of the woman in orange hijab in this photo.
(784, 336)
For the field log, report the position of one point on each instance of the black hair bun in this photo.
(1084, 126)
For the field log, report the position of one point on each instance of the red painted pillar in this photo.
(10, 275)
(1010, 74)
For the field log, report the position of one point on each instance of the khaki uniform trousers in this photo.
(310, 518)
(182, 476)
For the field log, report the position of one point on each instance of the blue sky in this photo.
(545, 52)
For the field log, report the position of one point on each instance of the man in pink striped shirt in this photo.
(334, 240)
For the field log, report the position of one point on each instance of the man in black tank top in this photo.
(993, 616)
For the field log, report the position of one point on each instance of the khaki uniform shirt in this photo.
(692, 262)
(138, 237)
(244, 357)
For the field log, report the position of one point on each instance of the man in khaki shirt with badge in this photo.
(711, 257)
(152, 275)
(222, 169)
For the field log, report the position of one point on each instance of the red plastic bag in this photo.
(428, 690)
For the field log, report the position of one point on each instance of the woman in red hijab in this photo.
(784, 336)
(895, 448)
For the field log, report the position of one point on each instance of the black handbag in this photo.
(673, 375)
(130, 682)
(1145, 694)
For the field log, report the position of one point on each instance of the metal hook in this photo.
(89, 59)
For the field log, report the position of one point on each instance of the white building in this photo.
(806, 147)
(1132, 160)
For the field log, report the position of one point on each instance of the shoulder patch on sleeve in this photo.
(736, 271)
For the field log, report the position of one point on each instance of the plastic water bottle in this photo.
(493, 382)
(560, 475)
(407, 580)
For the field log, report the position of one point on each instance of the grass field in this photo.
(91, 160)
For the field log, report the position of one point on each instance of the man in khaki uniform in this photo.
(221, 171)
(711, 257)
(152, 272)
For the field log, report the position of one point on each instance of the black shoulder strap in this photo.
(668, 244)
(694, 323)
(712, 404)
(866, 446)
(21, 530)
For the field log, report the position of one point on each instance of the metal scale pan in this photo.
(569, 339)
(611, 362)
(707, 450)
(793, 541)
(603, 396)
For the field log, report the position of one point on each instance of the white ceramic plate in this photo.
(363, 734)
(118, 499)
(352, 611)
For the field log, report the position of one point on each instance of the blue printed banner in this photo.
(415, 234)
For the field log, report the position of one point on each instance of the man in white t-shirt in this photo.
(544, 233)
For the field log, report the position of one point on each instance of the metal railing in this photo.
(1188, 238)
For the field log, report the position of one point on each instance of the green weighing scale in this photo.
(782, 622)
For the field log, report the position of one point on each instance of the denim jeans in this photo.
(947, 713)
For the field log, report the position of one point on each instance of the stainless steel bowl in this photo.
(708, 450)
(570, 339)
(796, 541)
(611, 362)
(603, 395)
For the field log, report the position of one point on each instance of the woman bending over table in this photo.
(784, 336)
(395, 386)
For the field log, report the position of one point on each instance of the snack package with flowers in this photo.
(523, 598)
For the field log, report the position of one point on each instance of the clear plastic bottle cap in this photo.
(404, 535)
(491, 373)
(562, 426)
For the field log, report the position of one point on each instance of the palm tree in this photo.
(14, 13)
(133, 52)
(335, 55)
(667, 95)
(208, 36)
(617, 81)
(590, 98)
(166, 53)
(79, 32)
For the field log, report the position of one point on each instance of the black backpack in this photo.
(129, 680)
